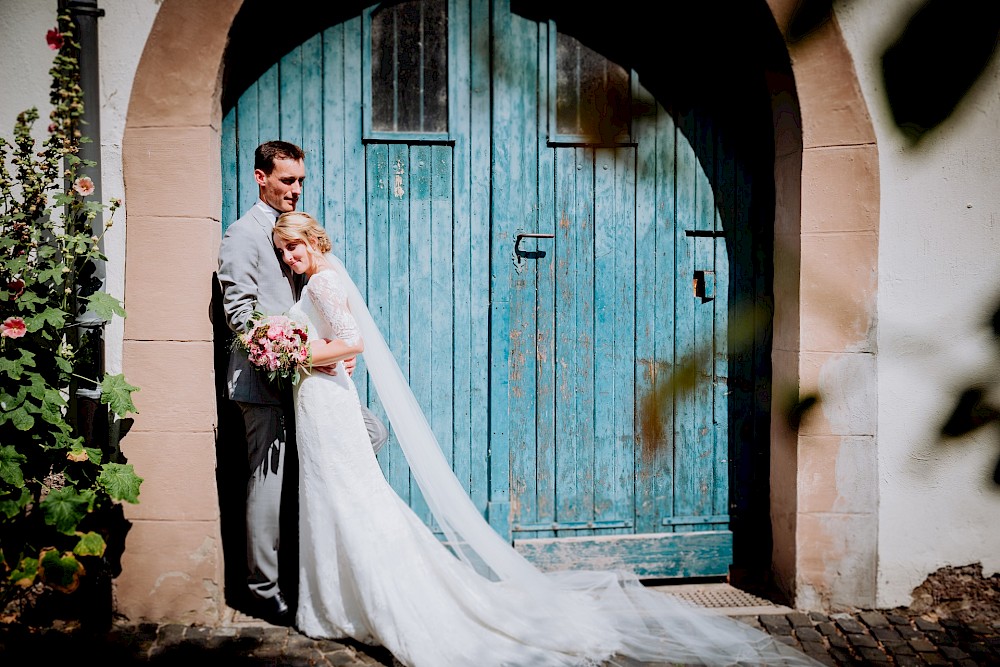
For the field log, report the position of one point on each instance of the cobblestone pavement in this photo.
(862, 638)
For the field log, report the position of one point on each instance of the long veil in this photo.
(641, 624)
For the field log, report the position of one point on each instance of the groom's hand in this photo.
(349, 365)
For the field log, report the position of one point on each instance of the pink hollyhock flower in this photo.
(84, 186)
(13, 327)
(54, 39)
(16, 286)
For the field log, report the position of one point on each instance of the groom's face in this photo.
(282, 188)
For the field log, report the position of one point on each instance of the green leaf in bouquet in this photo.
(120, 481)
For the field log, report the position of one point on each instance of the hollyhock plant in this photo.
(62, 473)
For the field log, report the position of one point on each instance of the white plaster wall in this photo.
(26, 60)
(939, 283)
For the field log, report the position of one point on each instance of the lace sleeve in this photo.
(330, 300)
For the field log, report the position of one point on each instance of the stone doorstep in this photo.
(724, 599)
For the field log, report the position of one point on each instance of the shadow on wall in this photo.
(231, 472)
(938, 56)
(977, 405)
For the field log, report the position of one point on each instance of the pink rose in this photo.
(272, 361)
(54, 39)
(13, 327)
(84, 186)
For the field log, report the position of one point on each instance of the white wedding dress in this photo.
(371, 570)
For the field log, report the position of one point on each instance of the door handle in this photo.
(519, 254)
(704, 285)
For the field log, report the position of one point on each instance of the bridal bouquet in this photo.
(277, 345)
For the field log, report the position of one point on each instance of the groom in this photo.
(253, 278)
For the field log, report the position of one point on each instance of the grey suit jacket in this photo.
(253, 277)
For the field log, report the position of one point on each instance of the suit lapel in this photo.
(266, 228)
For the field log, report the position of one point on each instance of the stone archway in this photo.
(827, 205)
(826, 258)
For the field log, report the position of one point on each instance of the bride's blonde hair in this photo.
(298, 226)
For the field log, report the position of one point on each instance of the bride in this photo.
(370, 569)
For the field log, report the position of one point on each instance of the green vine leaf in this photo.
(21, 419)
(120, 481)
(51, 274)
(65, 508)
(105, 306)
(117, 394)
(60, 572)
(10, 466)
(64, 199)
(16, 367)
(90, 544)
(24, 574)
(11, 507)
(54, 317)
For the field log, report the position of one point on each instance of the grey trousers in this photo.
(266, 443)
(267, 437)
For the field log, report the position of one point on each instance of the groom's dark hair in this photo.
(269, 151)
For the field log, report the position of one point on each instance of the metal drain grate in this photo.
(716, 596)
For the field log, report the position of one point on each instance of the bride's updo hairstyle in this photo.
(298, 226)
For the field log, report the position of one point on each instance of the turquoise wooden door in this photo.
(607, 295)
(534, 277)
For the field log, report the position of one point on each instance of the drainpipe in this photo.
(88, 413)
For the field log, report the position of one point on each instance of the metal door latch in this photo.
(518, 255)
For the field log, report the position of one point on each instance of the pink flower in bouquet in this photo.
(276, 345)
(84, 186)
(13, 327)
